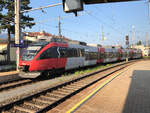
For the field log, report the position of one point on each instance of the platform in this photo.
(127, 93)
(8, 76)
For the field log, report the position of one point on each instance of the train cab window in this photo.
(49, 53)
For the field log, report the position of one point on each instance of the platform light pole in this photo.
(17, 30)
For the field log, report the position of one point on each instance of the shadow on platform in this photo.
(138, 99)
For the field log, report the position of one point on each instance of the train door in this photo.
(102, 55)
(48, 58)
(62, 57)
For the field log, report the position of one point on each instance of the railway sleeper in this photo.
(70, 88)
(54, 95)
(46, 99)
(38, 103)
(14, 111)
(22, 109)
(49, 98)
(57, 92)
(80, 82)
(64, 90)
(32, 104)
(74, 87)
(77, 85)
(42, 100)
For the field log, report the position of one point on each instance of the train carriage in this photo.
(91, 55)
(43, 57)
(75, 56)
(124, 54)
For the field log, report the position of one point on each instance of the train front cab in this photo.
(47, 59)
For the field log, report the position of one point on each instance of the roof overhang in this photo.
(106, 1)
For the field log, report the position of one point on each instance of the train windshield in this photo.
(30, 52)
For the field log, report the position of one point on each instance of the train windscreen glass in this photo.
(30, 52)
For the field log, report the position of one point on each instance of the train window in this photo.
(63, 52)
(73, 52)
(91, 56)
(86, 55)
(49, 53)
(69, 52)
(82, 53)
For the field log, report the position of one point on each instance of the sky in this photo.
(116, 19)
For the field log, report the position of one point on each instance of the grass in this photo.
(87, 70)
(146, 56)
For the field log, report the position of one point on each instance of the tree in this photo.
(139, 43)
(7, 16)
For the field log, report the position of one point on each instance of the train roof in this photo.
(41, 43)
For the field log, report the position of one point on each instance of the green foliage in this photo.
(89, 70)
(139, 43)
(7, 16)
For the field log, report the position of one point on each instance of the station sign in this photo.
(19, 45)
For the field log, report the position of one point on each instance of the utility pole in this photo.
(127, 47)
(149, 10)
(59, 27)
(102, 30)
(146, 39)
(17, 30)
(133, 35)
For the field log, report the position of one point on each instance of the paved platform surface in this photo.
(8, 73)
(128, 93)
(8, 76)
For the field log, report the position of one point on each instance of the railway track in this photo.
(14, 84)
(49, 98)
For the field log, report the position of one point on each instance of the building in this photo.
(37, 36)
(145, 50)
(3, 49)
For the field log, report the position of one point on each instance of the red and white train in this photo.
(46, 57)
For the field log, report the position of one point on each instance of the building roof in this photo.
(34, 34)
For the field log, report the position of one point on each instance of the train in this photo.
(42, 58)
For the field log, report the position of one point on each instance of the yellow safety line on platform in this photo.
(73, 109)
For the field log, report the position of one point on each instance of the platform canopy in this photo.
(77, 5)
(105, 1)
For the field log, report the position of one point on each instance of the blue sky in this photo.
(117, 20)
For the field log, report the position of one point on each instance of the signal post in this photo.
(127, 47)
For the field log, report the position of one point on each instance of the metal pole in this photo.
(146, 40)
(59, 27)
(17, 30)
(102, 36)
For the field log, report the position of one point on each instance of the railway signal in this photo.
(127, 40)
